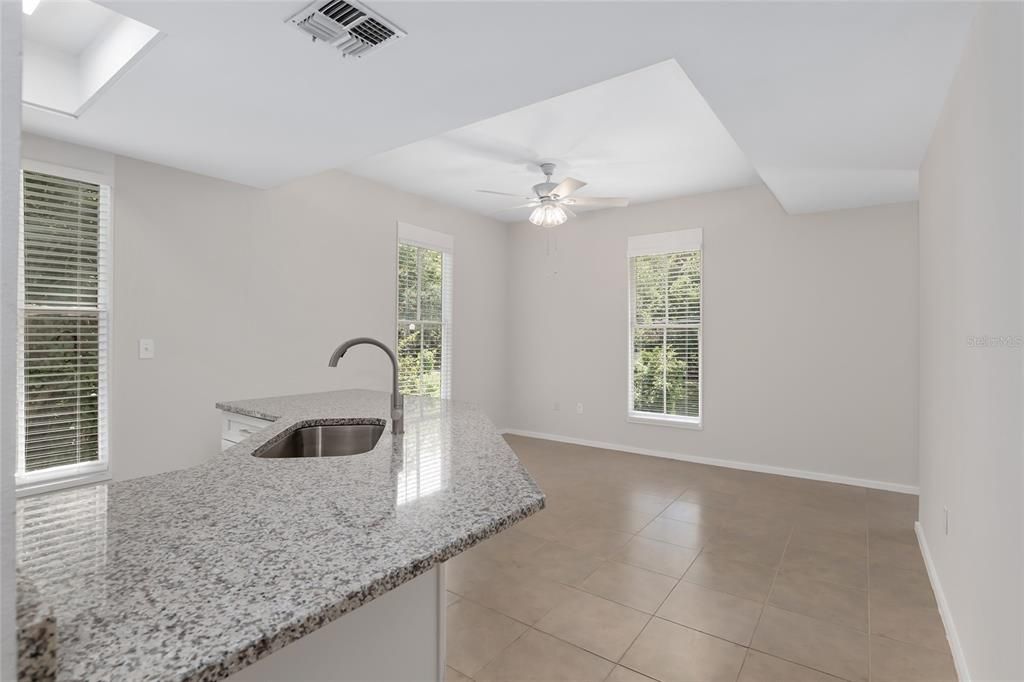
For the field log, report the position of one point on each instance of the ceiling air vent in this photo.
(349, 27)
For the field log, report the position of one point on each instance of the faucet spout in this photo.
(397, 400)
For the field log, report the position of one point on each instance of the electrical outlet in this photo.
(946, 510)
(579, 408)
(147, 349)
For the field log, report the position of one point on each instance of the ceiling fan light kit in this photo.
(548, 214)
(551, 206)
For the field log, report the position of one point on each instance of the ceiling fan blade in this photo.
(567, 187)
(532, 204)
(504, 194)
(599, 202)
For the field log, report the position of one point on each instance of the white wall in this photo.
(809, 321)
(809, 333)
(10, 188)
(971, 406)
(246, 293)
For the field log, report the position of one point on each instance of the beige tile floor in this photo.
(643, 568)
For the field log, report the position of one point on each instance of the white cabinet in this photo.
(237, 427)
(397, 637)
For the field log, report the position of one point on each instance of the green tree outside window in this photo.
(665, 328)
(421, 320)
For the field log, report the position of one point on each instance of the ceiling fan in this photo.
(554, 202)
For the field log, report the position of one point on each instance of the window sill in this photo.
(673, 422)
(46, 481)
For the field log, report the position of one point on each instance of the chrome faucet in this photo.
(397, 401)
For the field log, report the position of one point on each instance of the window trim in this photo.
(421, 237)
(651, 245)
(71, 475)
(695, 424)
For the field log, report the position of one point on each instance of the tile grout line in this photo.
(584, 590)
(653, 615)
(747, 648)
(661, 603)
(500, 651)
(766, 604)
(767, 597)
(587, 576)
(650, 616)
(530, 627)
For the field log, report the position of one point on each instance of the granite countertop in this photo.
(37, 634)
(194, 574)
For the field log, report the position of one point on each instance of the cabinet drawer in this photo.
(236, 427)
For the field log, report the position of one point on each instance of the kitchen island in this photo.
(197, 574)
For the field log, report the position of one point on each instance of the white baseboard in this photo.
(731, 464)
(940, 598)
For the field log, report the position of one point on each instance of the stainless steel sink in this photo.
(325, 441)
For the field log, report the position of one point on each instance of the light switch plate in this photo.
(147, 349)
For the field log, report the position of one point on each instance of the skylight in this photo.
(73, 49)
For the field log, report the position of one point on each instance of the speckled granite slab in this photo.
(37, 636)
(194, 574)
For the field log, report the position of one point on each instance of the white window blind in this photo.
(665, 327)
(424, 339)
(62, 327)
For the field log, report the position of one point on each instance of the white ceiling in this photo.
(836, 91)
(645, 135)
(834, 103)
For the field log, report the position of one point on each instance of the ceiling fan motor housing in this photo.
(543, 189)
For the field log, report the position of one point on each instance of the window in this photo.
(424, 339)
(665, 328)
(62, 328)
